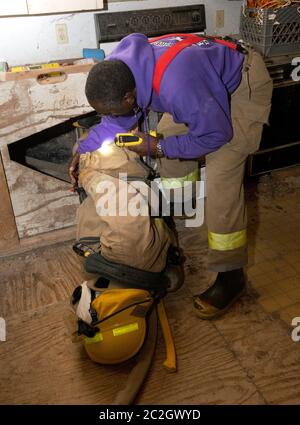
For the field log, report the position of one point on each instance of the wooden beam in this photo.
(8, 231)
(25, 75)
(38, 241)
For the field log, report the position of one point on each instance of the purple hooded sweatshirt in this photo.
(195, 89)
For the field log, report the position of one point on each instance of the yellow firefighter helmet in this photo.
(121, 324)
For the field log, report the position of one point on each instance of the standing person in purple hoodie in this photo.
(221, 97)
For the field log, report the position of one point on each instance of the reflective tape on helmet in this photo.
(126, 329)
(177, 182)
(98, 337)
(227, 241)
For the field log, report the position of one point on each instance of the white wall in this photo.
(32, 39)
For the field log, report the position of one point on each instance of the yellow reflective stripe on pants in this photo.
(227, 241)
(178, 182)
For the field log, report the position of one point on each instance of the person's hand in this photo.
(73, 170)
(142, 149)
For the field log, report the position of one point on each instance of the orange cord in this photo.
(271, 4)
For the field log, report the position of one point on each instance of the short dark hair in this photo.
(108, 82)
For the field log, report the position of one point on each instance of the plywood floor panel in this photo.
(272, 360)
(41, 365)
(208, 373)
(246, 357)
(47, 368)
(39, 278)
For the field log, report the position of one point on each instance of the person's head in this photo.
(110, 88)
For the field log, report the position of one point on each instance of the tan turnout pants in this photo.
(108, 212)
(225, 210)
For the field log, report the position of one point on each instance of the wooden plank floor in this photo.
(246, 357)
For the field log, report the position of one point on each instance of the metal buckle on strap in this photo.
(241, 46)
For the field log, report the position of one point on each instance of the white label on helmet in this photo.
(2, 330)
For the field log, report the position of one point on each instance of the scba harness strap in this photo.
(187, 40)
(132, 277)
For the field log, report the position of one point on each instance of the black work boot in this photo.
(217, 299)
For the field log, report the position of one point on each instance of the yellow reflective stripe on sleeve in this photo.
(228, 241)
(177, 182)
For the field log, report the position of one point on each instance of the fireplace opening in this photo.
(49, 151)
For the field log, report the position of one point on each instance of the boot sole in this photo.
(223, 311)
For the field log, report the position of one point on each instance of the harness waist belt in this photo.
(132, 277)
